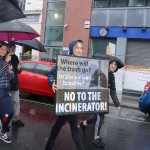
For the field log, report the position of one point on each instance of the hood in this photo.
(110, 58)
(118, 61)
(71, 45)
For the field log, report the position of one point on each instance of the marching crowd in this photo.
(10, 101)
(76, 48)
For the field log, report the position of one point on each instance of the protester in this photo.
(75, 49)
(99, 118)
(14, 86)
(6, 108)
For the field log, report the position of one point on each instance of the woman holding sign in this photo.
(76, 48)
(114, 65)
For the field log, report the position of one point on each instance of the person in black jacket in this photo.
(14, 86)
(75, 49)
(99, 118)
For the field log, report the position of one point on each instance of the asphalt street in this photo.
(126, 129)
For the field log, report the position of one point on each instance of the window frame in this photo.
(29, 70)
(40, 71)
(54, 43)
(147, 4)
(22, 4)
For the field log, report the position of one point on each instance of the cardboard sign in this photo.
(82, 85)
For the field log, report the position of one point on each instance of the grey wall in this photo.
(121, 48)
(130, 17)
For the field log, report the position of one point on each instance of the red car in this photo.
(33, 78)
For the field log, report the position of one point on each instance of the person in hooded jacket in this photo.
(76, 48)
(99, 118)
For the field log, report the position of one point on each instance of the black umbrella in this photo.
(34, 44)
(109, 57)
(16, 30)
(9, 10)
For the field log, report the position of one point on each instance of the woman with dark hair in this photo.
(6, 108)
(99, 118)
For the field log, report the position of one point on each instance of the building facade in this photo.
(116, 27)
(120, 26)
(62, 22)
(123, 27)
(33, 11)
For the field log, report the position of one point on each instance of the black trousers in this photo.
(74, 130)
(98, 119)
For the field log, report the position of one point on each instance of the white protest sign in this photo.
(82, 85)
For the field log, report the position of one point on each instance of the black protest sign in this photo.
(82, 85)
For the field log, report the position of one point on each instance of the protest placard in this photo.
(82, 85)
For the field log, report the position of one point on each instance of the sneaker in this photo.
(83, 127)
(98, 142)
(4, 137)
(18, 123)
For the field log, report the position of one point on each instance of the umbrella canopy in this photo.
(110, 58)
(9, 10)
(16, 30)
(34, 44)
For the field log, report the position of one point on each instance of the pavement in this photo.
(40, 118)
(128, 99)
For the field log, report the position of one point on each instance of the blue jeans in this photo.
(6, 107)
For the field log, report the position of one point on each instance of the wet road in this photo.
(126, 129)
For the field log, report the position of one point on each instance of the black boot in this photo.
(99, 142)
(50, 146)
